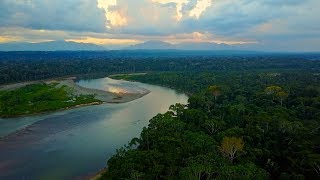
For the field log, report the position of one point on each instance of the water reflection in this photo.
(77, 143)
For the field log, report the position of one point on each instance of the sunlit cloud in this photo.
(105, 4)
(123, 22)
(18, 34)
(205, 37)
(105, 41)
(114, 18)
(179, 5)
(6, 39)
(200, 7)
(29, 35)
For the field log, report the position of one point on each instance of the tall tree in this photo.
(282, 96)
(231, 147)
(216, 91)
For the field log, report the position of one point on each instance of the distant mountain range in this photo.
(160, 45)
(151, 45)
(148, 45)
(50, 46)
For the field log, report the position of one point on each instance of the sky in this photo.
(291, 25)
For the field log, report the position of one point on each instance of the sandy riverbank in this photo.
(105, 96)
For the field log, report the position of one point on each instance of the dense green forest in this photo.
(237, 125)
(250, 116)
(28, 66)
(40, 97)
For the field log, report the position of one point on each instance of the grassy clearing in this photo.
(41, 97)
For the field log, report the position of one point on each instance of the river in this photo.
(77, 143)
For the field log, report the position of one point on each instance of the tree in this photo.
(271, 90)
(136, 175)
(282, 96)
(243, 171)
(216, 91)
(231, 146)
(203, 167)
(276, 91)
(214, 125)
(177, 110)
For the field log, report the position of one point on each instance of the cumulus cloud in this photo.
(200, 8)
(268, 22)
(263, 21)
(144, 17)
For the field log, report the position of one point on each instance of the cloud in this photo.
(200, 8)
(113, 18)
(73, 15)
(268, 22)
(145, 17)
(103, 41)
(258, 19)
(179, 4)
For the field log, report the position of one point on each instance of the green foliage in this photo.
(37, 98)
(273, 90)
(271, 102)
(270, 119)
(231, 147)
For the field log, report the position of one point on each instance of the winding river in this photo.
(77, 143)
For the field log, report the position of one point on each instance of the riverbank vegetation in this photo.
(250, 116)
(40, 97)
(237, 125)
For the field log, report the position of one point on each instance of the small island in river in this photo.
(36, 97)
